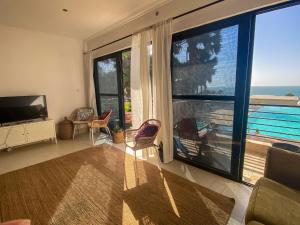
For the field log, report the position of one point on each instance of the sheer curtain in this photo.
(88, 71)
(140, 78)
(162, 87)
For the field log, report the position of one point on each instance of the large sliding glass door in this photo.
(112, 82)
(209, 79)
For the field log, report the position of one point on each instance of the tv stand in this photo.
(12, 136)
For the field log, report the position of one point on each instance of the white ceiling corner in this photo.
(83, 20)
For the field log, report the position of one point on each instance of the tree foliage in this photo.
(191, 75)
(126, 72)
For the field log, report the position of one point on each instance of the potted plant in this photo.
(118, 135)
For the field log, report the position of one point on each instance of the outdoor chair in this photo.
(101, 122)
(187, 129)
(81, 116)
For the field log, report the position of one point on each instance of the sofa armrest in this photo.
(283, 167)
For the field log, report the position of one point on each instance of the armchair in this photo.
(275, 198)
(102, 122)
(81, 116)
(143, 137)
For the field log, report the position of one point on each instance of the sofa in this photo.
(275, 199)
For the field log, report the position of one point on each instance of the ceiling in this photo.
(83, 19)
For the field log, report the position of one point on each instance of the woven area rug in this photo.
(104, 185)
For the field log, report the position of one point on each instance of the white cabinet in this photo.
(26, 133)
(40, 131)
(12, 136)
(16, 136)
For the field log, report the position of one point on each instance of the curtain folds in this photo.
(140, 78)
(88, 71)
(162, 86)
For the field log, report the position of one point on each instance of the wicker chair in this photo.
(142, 142)
(87, 115)
(100, 123)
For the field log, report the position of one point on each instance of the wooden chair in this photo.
(81, 116)
(137, 143)
(102, 122)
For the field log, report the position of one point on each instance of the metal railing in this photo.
(278, 122)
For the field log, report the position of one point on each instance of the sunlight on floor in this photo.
(23, 157)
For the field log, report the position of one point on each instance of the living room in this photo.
(149, 112)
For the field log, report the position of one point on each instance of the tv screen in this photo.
(22, 108)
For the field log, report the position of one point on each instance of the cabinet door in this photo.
(39, 131)
(3, 134)
(13, 136)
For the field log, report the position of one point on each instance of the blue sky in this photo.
(276, 59)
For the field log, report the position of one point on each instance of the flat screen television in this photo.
(22, 108)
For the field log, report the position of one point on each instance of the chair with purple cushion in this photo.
(143, 137)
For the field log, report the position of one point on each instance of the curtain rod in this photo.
(176, 17)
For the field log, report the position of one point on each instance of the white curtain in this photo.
(88, 71)
(162, 87)
(140, 79)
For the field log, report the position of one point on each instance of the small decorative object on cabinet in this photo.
(118, 135)
(65, 128)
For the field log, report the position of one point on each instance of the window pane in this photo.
(206, 64)
(110, 102)
(107, 72)
(203, 133)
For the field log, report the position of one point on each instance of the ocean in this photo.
(274, 121)
(275, 90)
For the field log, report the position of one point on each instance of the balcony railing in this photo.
(268, 124)
(274, 122)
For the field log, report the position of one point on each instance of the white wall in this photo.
(34, 63)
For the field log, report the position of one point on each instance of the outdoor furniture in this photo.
(190, 129)
(101, 122)
(286, 146)
(143, 137)
(81, 116)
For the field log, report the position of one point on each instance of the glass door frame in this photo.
(245, 23)
(244, 124)
(120, 94)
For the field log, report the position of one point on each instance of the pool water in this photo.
(274, 121)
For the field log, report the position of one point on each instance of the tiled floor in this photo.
(29, 155)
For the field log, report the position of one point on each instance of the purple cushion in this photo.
(104, 115)
(147, 130)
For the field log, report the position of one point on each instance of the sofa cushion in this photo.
(84, 114)
(273, 203)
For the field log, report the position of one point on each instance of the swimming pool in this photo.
(274, 121)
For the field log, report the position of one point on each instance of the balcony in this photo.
(268, 125)
(203, 133)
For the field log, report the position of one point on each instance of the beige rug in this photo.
(104, 186)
